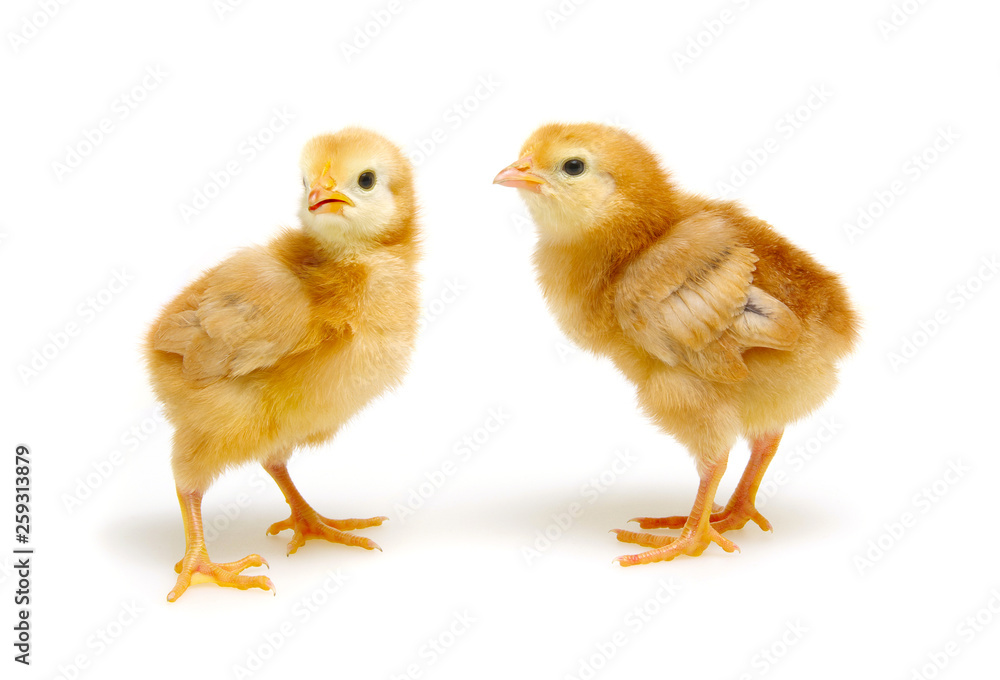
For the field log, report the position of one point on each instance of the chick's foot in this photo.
(691, 542)
(741, 507)
(308, 525)
(196, 567)
(697, 531)
(674, 522)
(734, 516)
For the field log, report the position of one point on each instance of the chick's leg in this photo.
(697, 534)
(309, 524)
(196, 567)
(741, 508)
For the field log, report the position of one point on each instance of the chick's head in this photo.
(576, 178)
(358, 187)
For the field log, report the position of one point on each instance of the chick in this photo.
(278, 346)
(726, 329)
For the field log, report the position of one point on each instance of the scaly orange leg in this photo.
(309, 524)
(741, 507)
(697, 534)
(196, 567)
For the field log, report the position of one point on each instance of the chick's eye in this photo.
(574, 166)
(366, 180)
(305, 184)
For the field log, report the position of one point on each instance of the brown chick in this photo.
(278, 346)
(726, 329)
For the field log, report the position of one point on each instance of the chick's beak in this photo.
(323, 199)
(519, 176)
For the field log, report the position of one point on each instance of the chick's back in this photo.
(779, 385)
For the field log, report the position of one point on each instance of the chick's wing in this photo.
(247, 314)
(689, 300)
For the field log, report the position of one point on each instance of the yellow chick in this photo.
(278, 346)
(726, 329)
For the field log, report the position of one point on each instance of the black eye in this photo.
(305, 184)
(574, 166)
(366, 180)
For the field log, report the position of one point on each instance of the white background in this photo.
(802, 595)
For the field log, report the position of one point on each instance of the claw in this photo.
(760, 521)
(278, 527)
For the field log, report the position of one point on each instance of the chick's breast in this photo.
(371, 324)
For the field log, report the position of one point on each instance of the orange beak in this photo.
(322, 197)
(323, 200)
(519, 176)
